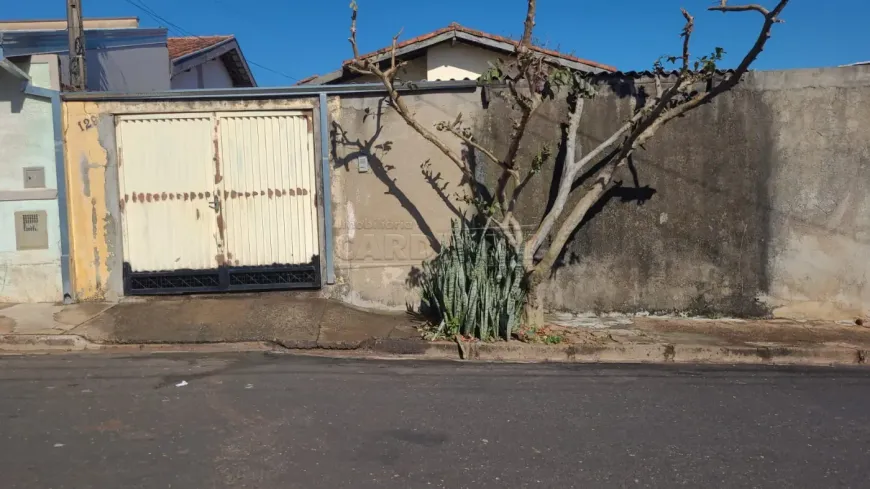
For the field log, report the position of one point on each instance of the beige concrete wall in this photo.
(391, 217)
(92, 182)
(819, 251)
(448, 61)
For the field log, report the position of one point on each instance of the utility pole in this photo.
(75, 28)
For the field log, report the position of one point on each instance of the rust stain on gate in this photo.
(218, 177)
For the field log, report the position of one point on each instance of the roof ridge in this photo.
(455, 26)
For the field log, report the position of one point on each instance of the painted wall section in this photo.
(129, 69)
(215, 75)
(27, 140)
(93, 186)
(187, 80)
(212, 74)
(459, 61)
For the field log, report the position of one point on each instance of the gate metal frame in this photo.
(225, 279)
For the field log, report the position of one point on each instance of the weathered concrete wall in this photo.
(819, 205)
(92, 183)
(27, 140)
(750, 206)
(687, 231)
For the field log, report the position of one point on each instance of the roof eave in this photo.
(458, 33)
(215, 51)
(204, 51)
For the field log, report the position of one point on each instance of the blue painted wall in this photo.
(27, 140)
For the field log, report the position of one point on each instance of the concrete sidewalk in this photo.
(303, 321)
(291, 320)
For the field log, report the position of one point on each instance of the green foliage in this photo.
(474, 287)
(574, 81)
(494, 74)
(705, 64)
(540, 335)
(541, 158)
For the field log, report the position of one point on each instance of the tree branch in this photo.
(474, 144)
(658, 80)
(357, 62)
(770, 18)
(509, 226)
(568, 178)
(645, 123)
(529, 25)
(572, 221)
(365, 66)
(687, 36)
(517, 133)
(394, 69)
(398, 104)
(724, 7)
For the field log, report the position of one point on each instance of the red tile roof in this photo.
(182, 46)
(460, 28)
(306, 79)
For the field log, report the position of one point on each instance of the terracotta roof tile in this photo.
(460, 28)
(306, 80)
(182, 46)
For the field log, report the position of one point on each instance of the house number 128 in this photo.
(88, 123)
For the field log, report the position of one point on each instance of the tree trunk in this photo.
(534, 308)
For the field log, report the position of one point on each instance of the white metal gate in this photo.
(218, 201)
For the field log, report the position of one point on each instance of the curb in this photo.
(43, 342)
(515, 352)
(625, 353)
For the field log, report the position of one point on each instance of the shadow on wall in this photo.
(99, 64)
(11, 88)
(372, 150)
(375, 147)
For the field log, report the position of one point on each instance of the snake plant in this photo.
(474, 286)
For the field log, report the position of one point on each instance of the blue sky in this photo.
(300, 38)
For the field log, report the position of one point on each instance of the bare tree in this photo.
(530, 81)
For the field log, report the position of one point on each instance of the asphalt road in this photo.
(280, 421)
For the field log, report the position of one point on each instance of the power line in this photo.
(141, 5)
(285, 75)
